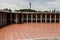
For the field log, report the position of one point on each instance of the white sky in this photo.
(36, 4)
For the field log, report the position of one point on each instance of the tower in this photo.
(30, 5)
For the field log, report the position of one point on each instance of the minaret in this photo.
(30, 5)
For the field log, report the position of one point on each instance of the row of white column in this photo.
(41, 18)
(16, 18)
(2, 18)
(36, 18)
(27, 18)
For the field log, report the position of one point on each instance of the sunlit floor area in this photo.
(30, 31)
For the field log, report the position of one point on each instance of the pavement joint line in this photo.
(1, 33)
(17, 33)
(33, 34)
(27, 34)
(22, 35)
(38, 35)
(43, 35)
(11, 35)
(5, 35)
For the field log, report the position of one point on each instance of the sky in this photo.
(36, 4)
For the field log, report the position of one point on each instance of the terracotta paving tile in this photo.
(29, 31)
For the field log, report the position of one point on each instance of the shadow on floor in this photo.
(4, 25)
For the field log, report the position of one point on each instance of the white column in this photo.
(55, 18)
(22, 18)
(27, 18)
(50, 17)
(16, 18)
(41, 18)
(36, 17)
(5, 19)
(45, 18)
(1, 18)
(31, 18)
(11, 17)
(59, 18)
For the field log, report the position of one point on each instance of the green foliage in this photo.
(46, 11)
(6, 9)
(26, 10)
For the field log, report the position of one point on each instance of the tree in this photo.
(10, 10)
(46, 11)
(54, 10)
(6, 9)
(26, 10)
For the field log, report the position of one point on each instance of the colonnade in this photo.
(2, 18)
(30, 17)
(42, 19)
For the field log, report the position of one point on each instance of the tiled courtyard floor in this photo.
(30, 31)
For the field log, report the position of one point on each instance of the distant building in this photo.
(7, 17)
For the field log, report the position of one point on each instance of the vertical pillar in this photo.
(11, 17)
(16, 18)
(22, 18)
(55, 18)
(45, 18)
(27, 18)
(50, 17)
(36, 17)
(5, 18)
(59, 18)
(31, 18)
(41, 18)
(1, 18)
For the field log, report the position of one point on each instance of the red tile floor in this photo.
(30, 31)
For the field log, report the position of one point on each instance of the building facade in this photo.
(26, 17)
